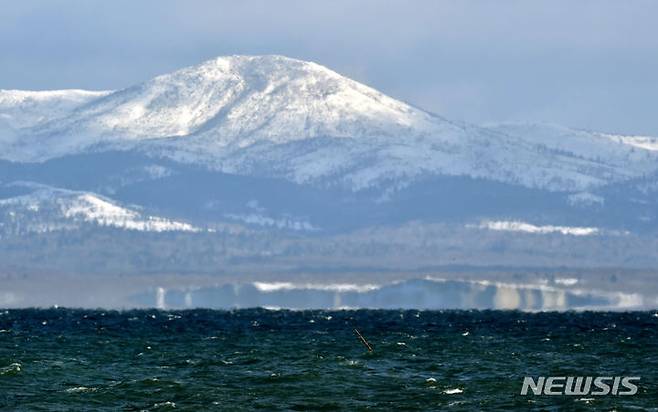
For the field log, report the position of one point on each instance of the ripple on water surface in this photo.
(257, 359)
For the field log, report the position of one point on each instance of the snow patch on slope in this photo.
(91, 208)
(642, 142)
(518, 226)
(279, 223)
(585, 199)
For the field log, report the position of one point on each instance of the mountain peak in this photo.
(263, 60)
(238, 101)
(247, 67)
(269, 65)
(242, 99)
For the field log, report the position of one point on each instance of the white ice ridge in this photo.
(518, 226)
(335, 287)
(427, 293)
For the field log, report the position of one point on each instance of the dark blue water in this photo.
(62, 359)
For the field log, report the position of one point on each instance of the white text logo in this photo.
(580, 385)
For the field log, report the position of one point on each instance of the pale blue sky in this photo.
(586, 64)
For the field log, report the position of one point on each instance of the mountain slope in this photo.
(620, 152)
(46, 209)
(21, 108)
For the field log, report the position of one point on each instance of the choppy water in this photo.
(61, 359)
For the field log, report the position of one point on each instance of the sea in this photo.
(256, 359)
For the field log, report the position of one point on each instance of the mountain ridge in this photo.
(287, 118)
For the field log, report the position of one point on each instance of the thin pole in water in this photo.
(363, 340)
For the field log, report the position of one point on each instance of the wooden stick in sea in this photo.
(363, 340)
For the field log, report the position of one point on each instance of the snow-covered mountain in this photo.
(41, 209)
(278, 117)
(275, 143)
(236, 101)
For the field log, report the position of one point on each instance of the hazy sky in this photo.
(586, 64)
